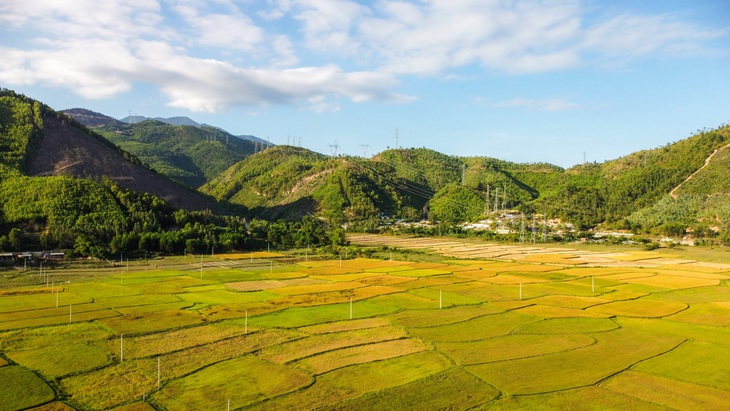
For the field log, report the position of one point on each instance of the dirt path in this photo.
(707, 161)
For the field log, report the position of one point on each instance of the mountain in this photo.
(174, 121)
(681, 187)
(287, 182)
(178, 147)
(187, 121)
(90, 118)
(64, 186)
(187, 154)
(52, 144)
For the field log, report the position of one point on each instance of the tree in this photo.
(16, 239)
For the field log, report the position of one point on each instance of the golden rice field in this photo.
(538, 332)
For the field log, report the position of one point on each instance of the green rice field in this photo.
(541, 331)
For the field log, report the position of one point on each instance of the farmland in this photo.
(514, 328)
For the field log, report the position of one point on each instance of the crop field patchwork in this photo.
(545, 330)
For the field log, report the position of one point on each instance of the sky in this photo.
(562, 81)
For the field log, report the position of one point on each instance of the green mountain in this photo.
(681, 187)
(287, 182)
(188, 154)
(63, 186)
(290, 182)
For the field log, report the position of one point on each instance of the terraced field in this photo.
(541, 331)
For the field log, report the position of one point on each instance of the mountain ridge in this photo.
(289, 182)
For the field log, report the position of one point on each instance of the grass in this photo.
(512, 347)
(666, 391)
(24, 303)
(674, 282)
(451, 389)
(588, 398)
(122, 381)
(253, 379)
(22, 389)
(62, 359)
(149, 321)
(169, 341)
(648, 337)
(690, 362)
(299, 317)
(640, 308)
(53, 336)
(346, 325)
(434, 317)
(547, 311)
(714, 314)
(479, 328)
(614, 352)
(320, 343)
(569, 326)
(332, 360)
(354, 381)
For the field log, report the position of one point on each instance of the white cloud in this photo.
(210, 55)
(629, 35)
(542, 105)
(233, 30)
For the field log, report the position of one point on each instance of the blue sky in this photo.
(523, 81)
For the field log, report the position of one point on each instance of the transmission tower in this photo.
(334, 148)
(396, 138)
(496, 199)
(504, 200)
(463, 174)
(364, 148)
(486, 204)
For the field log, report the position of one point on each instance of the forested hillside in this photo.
(672, 190)
(289, 182)
(62, 186)
(187, 154)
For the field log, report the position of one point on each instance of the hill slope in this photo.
(47, 143)
(63, 186)
(288, 182)
(180, 148)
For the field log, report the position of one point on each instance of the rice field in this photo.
(543, 330)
